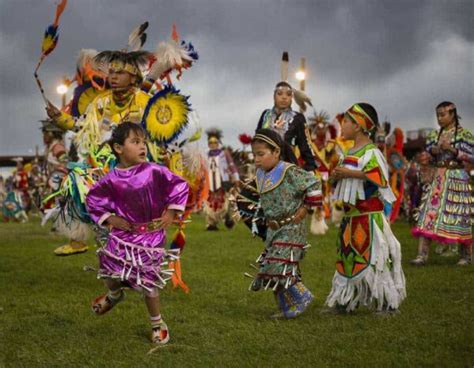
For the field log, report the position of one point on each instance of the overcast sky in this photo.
(404, 57)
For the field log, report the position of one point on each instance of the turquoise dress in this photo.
(283, 190)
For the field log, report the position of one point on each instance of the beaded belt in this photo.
(146, 227)
(366, 205)
(149, 227)
(449, 164)
(276, 224)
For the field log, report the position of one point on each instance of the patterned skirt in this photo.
(447, 209)
(278, 264)
(136, 263)
(368, 267)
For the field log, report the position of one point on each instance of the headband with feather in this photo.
(134, 62)
(301, 98)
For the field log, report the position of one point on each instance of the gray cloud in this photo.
(403, 56)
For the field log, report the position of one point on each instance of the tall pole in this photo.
(63, 96)
(303, 79)
(284, 66)
(303, 69)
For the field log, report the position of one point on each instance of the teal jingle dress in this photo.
(282, 191)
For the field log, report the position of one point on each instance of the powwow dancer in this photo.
(447, 208)
(125, 100)
(3, 191)
(292, 128)
(325, 147)
(397, 168)
(222, 175)
(21, 184)
(289, 124)
(286, 193)
(138, 200)
(418, 176)
(368, 266)
(11, 208)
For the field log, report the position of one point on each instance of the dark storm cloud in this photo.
(404, 56)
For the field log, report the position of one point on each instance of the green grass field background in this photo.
(46, 320)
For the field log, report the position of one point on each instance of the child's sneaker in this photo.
(464, 262)
(104, 303)
(418, 261)
(160, 334)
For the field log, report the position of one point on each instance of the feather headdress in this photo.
(170, 55)
(321, 120)
(90, 82)
(137, 38)
(86, 56)
(88, 70)
(134, 62)
(382, 132)
(321, 117)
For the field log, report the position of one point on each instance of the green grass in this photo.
(46, 321)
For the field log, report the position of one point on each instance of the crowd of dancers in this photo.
(136, 168)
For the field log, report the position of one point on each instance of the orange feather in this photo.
(59, 10)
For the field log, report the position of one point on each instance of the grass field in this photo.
(46, 321)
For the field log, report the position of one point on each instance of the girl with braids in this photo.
(137, 201)
(368, 265)
(286, 192)
(447, 207)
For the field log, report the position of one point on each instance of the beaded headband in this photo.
(266, 139)
(448, 108)
(361, 118)
(119, 65)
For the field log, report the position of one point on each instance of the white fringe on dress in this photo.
(75, 230)
(349, 190)
(381, 285)
(318, 224)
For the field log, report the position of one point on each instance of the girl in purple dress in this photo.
(137, 201)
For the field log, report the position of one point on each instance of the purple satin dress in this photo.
(139, 194)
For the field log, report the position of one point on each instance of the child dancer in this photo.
(447, 208)
(368, 266)
(137, 200)
(286, 192)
